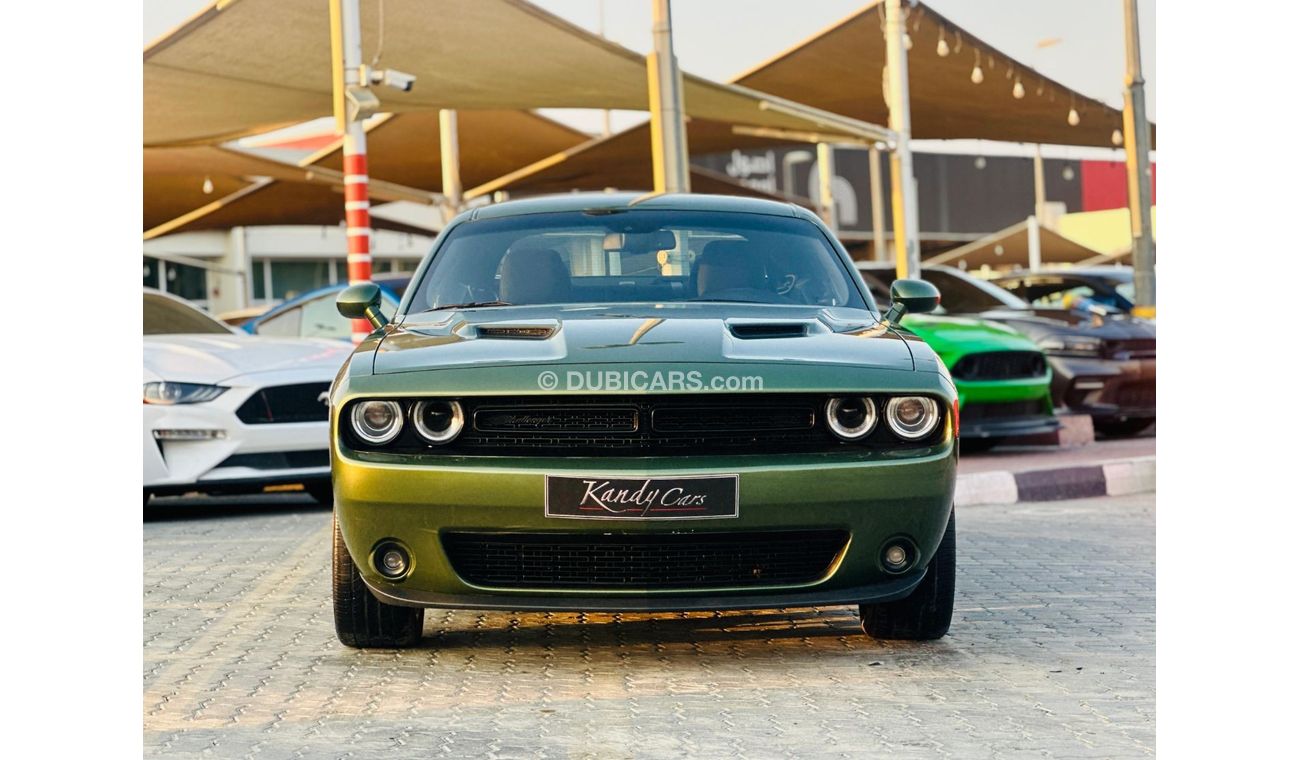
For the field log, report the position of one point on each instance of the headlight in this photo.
(912, 417)
(377, 422)
(180, 393)
(1070, 345)
(439, 421)
(851, 418)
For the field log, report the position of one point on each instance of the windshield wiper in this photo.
(468, 305)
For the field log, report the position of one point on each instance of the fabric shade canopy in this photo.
(1009, 248)
(840, 70)
(284, 193)
(404, 163)
(1108, 231)
(247, 66)
(622, 161)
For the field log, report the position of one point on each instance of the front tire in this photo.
(361, 620)
(926, 613)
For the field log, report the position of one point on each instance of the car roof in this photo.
(611, 202)
(1119, 274)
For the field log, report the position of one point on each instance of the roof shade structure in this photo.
(247, 190)
(1009, 249)
(622, 161)
(840, 70)
(250, 190)
(1108, 230)
(241, 67)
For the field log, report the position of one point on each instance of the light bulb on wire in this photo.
(1117, 137)
(1017, 90)
(907, 41)
(1073, 118)
(942, 48)
(977, 74)
(207, 186)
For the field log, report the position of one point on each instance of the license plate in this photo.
(696, 497)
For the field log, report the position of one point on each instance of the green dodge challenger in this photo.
(613, 402)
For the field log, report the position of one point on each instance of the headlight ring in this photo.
(912, 417)
(438, 421)
(851, 418)
(376, 422)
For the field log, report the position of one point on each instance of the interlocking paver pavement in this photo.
(1052, 654)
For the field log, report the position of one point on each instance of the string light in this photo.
(207, 186)
(981, 162)
(1117, 137)
(907, 41)
(977, 74)
(1018, 90)
(942, 48)
(1073, 118)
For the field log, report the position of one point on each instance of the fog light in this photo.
(195, 434)
(895, 557)
(391, 560)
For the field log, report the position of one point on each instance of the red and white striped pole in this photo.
(345, 18)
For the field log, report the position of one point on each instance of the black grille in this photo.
(279, 460)
(1142, 396)
(978, 412)
(286, 403)
(752, 423)
(644, 560)
(1130, 348)
(1000, 365)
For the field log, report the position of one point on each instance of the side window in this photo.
(1068, 298)
(282, 325)
(321, 319)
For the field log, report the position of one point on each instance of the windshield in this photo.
(636, 256)
(167, 316)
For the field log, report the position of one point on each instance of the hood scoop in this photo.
(516, 332)
(758, 330)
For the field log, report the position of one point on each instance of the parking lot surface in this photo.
(1051, 654)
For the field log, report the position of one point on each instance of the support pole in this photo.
(903, 184)
(1137, 146)
(667, 123)
(1035, 244)
(878, 251)
(449, 144)
(826, 186)
(345, 28)
(1040, 185)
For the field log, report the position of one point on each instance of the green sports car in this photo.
(616, 402)
(1004, 383)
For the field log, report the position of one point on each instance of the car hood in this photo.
(1073, 322)
(954, 337)
(215, 358)
(641, 333)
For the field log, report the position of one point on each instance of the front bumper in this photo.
(1106, 389)
(246, 458)
(873, 496)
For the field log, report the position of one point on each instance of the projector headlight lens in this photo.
(851, 417)
(912, 417)
(377, 422)
(439, 421)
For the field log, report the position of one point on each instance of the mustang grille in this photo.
(286, 403)
(1000, 365)
(643, 561)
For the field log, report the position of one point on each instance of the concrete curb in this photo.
(1116, 478)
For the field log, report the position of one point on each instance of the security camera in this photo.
(398, 80)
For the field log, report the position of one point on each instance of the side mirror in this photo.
(361, 301)
(916, 296)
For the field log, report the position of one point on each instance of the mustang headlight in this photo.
(1070, 345)
(180, 393)
(851, 418)
(377, 422)
(912, 417)
(439, 421)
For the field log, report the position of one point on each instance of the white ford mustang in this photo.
(228, 412)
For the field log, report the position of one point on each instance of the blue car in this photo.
(314, 315)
